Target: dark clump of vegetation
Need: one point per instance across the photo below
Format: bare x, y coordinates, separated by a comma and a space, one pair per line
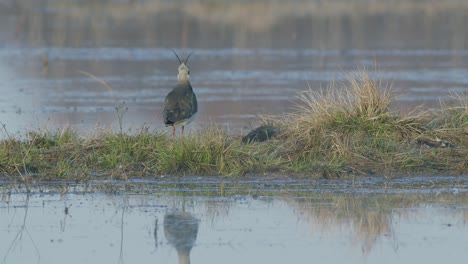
260, 134
334, 132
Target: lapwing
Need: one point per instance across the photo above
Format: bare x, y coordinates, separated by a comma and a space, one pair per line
180, 105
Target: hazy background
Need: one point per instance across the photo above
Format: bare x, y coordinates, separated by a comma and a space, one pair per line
250, 57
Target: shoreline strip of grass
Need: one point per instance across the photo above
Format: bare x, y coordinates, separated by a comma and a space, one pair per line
339, 131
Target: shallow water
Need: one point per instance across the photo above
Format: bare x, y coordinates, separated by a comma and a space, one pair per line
258, 220
249, 58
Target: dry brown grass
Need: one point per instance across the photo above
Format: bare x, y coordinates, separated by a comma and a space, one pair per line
352, 128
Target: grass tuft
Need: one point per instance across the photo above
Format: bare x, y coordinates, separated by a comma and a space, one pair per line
352, 129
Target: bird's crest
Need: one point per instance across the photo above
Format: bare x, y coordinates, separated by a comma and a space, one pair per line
184, 70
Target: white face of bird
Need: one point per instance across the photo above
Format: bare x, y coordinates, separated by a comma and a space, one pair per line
184, 73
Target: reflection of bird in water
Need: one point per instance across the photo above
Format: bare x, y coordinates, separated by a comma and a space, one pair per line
180, 230
155, 233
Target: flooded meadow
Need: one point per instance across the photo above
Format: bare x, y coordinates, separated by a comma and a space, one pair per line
93, 66
253, 220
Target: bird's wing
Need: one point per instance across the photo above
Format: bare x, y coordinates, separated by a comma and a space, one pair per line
171, 110
179, 105
188, 105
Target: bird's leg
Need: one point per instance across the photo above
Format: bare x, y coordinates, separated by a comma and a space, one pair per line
182, 132
173, 132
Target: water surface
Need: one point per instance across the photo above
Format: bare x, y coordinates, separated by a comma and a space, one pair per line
213, 220
250, 58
